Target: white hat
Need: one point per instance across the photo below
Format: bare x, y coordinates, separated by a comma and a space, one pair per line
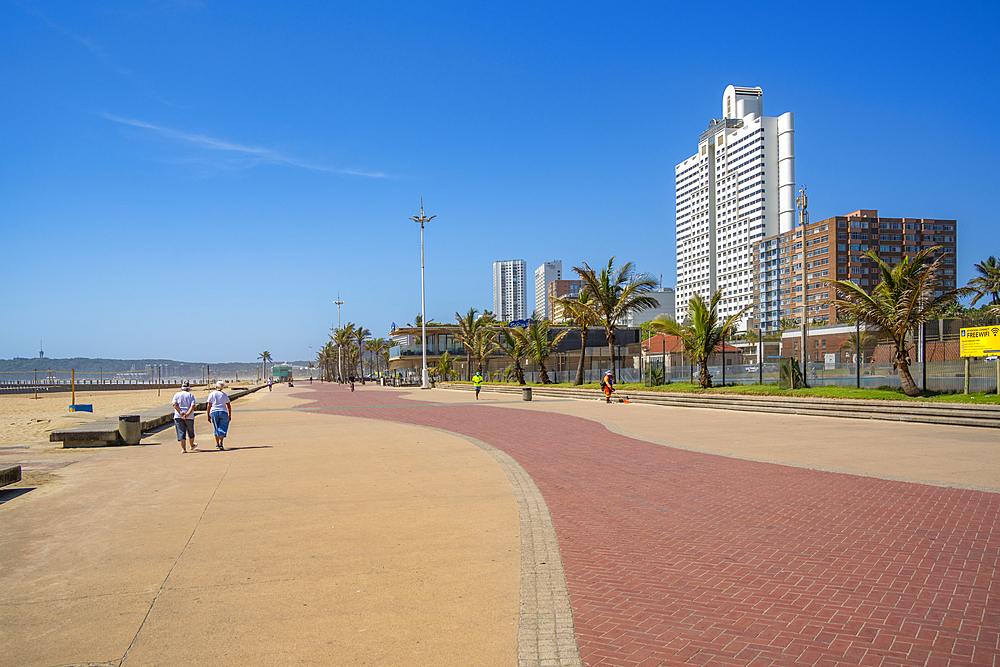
220, 384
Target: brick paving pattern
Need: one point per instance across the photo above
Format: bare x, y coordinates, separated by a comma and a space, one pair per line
677, 557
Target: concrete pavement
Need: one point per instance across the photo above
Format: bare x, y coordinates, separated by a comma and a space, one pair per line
314, 540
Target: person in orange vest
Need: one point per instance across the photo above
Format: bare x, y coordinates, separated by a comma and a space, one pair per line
608, 385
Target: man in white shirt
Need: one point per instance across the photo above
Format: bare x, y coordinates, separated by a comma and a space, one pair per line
184, 404
220, 411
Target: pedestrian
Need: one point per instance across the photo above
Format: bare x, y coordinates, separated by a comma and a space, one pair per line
608, 385
351, 378
220, 413
184, 405
270, 381
477, 381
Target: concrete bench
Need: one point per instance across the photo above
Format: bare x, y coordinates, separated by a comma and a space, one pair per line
105, 432
10, 475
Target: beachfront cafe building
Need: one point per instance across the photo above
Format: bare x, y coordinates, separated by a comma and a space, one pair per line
405, 361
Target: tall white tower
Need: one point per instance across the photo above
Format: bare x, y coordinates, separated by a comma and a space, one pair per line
510, 290
545, 274
738, 187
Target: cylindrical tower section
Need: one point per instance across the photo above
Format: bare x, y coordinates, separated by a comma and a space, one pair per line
786, 172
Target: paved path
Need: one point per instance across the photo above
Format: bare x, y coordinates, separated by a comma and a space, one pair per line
314, 540
682, 557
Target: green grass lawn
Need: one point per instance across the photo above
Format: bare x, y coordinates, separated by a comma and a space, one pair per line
773, 390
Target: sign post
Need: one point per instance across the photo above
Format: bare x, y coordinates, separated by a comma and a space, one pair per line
979, 342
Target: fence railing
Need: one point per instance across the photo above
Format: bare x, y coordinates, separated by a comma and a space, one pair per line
940, 376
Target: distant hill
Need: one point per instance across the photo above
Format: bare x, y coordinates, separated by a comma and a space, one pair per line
107, 367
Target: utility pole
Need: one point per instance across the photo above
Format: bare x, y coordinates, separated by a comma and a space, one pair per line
802, 203
422, 220
340, 366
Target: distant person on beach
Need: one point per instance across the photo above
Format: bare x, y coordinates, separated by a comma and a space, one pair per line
477, 381
220, 412
270, 381
184, 403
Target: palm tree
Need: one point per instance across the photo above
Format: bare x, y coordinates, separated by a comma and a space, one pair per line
987, 282
583, 317
265, 357
538, 345
616, 293
857, 342
378, 347
342, 337
360, 336
465, 333
512, 343
704, 334
327, 358
483, 345
898, 304
444, 366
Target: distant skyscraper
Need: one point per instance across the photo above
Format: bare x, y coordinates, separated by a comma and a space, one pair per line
510, 290
737, 189
544, 275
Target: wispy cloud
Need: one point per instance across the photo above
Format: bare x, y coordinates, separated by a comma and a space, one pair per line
265, 155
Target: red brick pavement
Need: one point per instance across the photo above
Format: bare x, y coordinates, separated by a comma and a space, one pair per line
675, 557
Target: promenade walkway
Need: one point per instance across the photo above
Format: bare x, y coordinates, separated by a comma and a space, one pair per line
407, 527
673, 556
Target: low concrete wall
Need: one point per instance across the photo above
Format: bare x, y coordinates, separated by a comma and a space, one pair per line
104, 433
10, 475
956, 414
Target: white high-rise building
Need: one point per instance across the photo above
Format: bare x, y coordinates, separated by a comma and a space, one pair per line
738, 187
510, 290
545, 274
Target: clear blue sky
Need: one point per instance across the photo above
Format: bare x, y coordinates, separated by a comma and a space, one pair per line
198, 180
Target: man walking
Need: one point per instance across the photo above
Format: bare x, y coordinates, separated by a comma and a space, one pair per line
477, 381
184, 403
270, 381
220, 412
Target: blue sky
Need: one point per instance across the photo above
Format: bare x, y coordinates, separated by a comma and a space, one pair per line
198, 180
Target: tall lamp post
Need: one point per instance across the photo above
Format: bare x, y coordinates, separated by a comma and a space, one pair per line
422, 220
802, 202
340, 366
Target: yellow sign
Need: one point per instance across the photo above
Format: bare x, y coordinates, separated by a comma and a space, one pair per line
980, 341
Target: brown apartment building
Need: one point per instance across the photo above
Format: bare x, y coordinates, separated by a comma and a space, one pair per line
789, 268
562, 289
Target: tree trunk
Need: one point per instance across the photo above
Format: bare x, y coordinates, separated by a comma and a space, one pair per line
611, 350
583, 355
519, 374
542, 375
910, 387
704, 377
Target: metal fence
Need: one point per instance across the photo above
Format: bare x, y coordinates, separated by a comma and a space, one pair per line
940, 376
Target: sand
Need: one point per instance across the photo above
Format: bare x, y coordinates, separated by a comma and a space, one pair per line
24, 419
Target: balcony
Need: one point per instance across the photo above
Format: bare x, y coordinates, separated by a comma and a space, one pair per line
433, 350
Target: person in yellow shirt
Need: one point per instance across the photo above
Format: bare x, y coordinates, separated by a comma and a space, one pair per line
477, 382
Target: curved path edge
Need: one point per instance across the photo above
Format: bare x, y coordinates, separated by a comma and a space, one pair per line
546, 634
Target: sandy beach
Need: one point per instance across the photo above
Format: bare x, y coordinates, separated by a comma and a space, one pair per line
25, 419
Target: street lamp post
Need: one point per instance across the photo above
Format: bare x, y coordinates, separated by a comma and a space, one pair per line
803, 202
340, 366
422, 220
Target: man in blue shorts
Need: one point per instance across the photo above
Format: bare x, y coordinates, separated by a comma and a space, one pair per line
220, 412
